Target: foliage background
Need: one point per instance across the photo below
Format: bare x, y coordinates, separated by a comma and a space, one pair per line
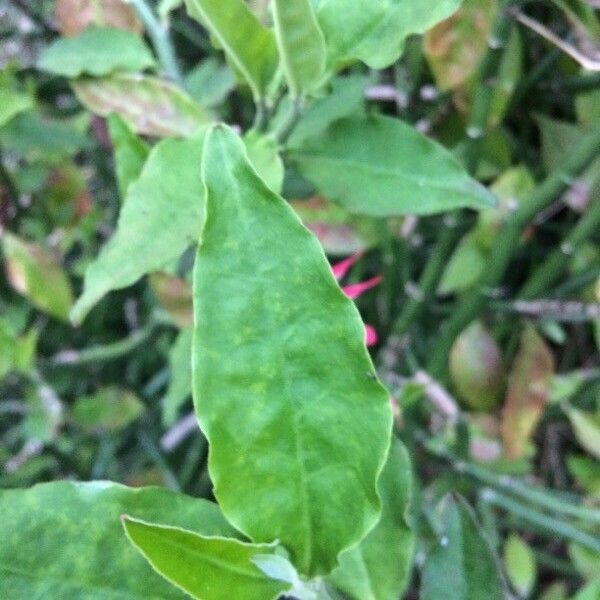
109, 399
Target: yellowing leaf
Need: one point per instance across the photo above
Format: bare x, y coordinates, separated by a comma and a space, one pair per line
35, 272
476, 368
73, 16
149, 105
175, 296
528, 393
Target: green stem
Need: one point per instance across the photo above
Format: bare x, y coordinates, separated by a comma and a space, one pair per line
153, 452
551, 270
106, 352
579, 83
429, 278
486, 85
291, 121
538, 496
476, 133
524, 491
161, 40
7, 182
473, 303
552, 525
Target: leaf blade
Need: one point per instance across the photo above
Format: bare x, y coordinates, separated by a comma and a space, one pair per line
194, 562
161, 217
249, 45
301, 44
284, 454
378, 567
97, 51
79, 518
380, 166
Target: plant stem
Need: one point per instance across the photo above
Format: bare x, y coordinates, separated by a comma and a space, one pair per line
476, 130
429, 278
551, 270
107, 351
161, 40
153, 452
291, 121
529, 493
486, 85
579, 83
550, 524
474, 302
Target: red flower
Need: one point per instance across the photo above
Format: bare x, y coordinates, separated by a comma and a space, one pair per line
355, 290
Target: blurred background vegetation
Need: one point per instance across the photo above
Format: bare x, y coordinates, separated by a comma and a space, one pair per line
508, 415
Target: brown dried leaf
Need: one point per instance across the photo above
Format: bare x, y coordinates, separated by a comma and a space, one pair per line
151, 106
528, 392
73, 16
454, 47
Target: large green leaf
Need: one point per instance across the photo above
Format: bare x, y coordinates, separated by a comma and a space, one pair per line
462, 566
206, 568
161, 217
378, 568
149, 105
248, 44
375, 31
381, 166
301, 44
64, 540
98, 51
283, 385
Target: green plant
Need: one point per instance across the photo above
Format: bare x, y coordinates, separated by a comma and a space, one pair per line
314, 494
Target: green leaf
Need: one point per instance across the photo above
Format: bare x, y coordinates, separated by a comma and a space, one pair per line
462, 566
520, 565
301, 44
378, 568
345, 99
590, 592
248, 44
263, 152
375, 31
586, 427
150, 106
161, 217
35, 272
12, 103
210, 82
381, 167
109, 409
476, 368
283, 385
97, 51
29, 134
180, 384
130, 151
206, 568
464, 267
64, 540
